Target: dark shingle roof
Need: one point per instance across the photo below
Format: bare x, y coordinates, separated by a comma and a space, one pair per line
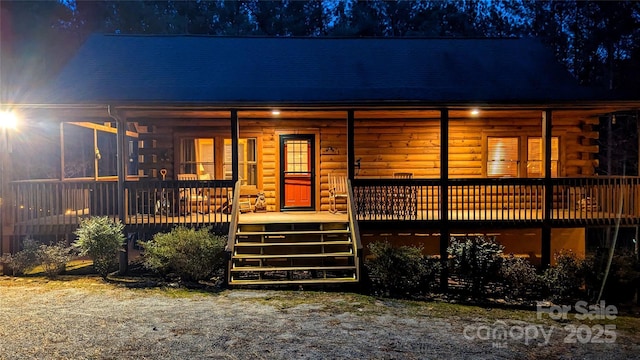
192, 69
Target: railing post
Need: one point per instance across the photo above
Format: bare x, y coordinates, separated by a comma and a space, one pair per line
444, 197
121, 156
351, 157
548, 190
235, 133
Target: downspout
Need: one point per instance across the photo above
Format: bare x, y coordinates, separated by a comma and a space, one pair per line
122, 172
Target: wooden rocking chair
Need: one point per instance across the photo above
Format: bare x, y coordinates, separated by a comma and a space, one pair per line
337, 190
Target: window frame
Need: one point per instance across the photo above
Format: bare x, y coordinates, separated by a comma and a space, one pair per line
218, 138
523, 151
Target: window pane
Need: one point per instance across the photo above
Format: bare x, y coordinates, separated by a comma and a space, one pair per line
535, 160
197, 156
297, 155
503, 156
247, 165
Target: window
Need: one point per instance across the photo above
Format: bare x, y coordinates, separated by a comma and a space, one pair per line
247, 161
503, 158
197, 156
297, 156
535, 159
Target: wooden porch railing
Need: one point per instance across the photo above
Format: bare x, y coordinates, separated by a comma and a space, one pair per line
153, 204
598, 200
56, 207
580, 201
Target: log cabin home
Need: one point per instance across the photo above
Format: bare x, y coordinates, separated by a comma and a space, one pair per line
304, 150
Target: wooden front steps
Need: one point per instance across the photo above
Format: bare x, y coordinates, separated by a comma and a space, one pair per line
293, 254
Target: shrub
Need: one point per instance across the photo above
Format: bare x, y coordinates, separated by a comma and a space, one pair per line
398, 272
520, 278
101, 239
191, 254
476, 260
564, 279
54, 258
24, 260
622, 282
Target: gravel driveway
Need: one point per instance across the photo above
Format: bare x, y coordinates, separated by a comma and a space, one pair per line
93, 320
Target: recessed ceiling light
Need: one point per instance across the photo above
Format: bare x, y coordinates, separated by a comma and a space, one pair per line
275, 112
475, 112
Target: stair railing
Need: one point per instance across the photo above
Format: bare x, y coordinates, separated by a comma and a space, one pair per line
235, 213
353, 226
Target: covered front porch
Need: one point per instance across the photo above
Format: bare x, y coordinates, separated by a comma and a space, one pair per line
454, 180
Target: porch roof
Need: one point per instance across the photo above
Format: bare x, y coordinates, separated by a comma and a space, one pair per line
258, 70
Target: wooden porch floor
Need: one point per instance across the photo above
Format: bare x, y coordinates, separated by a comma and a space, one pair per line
291, 217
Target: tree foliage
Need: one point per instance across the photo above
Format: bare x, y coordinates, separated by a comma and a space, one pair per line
596, 40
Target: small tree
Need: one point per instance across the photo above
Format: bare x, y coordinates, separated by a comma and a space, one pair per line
101, 239
191, 254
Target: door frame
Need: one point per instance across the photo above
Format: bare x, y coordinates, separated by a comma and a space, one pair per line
315, 181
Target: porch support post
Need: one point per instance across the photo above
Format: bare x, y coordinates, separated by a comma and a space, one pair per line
351, 156
548, 189
6, 223
444, 199
121, 156
235, 133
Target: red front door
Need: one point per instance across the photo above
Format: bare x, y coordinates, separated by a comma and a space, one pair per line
297, 172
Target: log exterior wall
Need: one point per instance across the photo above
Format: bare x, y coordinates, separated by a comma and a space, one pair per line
383, 146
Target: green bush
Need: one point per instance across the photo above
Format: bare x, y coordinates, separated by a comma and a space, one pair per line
520, 278
622, 282
101, 239
564, 280
54, 258
189, 253
475, 260
24, 260
399, 271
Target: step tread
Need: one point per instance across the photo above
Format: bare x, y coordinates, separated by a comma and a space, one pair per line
299, 243
295, 232
262, 256
292, 268
293, 282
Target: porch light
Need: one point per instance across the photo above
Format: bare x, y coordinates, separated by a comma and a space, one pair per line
275, 112
8, 120
475, 112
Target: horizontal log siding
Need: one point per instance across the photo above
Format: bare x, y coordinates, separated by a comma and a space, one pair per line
384, 147
332, 154
396, 145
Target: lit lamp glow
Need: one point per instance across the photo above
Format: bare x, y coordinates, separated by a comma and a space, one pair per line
8, 120
275, 112
475, 112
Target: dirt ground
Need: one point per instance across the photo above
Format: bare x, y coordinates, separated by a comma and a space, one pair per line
89, 319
